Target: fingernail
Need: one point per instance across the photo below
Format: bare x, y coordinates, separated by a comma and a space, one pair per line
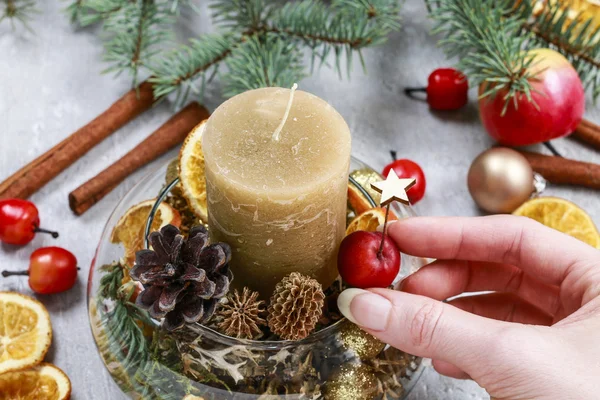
380, 227
364, 308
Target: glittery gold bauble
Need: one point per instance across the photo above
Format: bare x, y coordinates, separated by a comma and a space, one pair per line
365, 177
500, 180
352, 382
576, 10
365, 345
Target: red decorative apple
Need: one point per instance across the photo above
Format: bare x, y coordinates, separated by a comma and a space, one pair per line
368, 259
447, 89
556, 110
405, 168
51, 270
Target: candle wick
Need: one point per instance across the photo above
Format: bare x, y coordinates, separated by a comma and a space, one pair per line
286, 114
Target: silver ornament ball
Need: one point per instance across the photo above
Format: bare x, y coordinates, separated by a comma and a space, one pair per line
500, 180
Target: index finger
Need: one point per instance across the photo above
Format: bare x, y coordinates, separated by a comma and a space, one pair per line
540, 251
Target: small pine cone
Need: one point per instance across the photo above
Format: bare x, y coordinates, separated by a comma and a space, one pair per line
242, 315
296, 306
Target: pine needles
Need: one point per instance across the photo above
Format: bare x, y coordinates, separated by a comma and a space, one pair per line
490, 41
148, 367
259, 43
484, 40
17, 10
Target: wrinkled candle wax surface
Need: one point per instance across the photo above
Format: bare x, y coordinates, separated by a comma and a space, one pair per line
280, 205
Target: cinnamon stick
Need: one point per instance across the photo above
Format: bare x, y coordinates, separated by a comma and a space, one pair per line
170, 134
564, 171
40, 171
588, 132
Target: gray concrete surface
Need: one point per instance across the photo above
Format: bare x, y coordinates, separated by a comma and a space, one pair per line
50, 85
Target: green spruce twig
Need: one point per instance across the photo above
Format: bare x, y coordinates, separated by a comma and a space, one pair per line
263, 61
490, 41
18, 10
484, 39
262, 42
148, 367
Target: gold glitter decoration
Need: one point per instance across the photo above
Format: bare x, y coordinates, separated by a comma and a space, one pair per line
572, 10
365, 177
393, 368
365, 345
352, 382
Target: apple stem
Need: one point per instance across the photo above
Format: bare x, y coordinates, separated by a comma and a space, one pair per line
387, 214
552, 149
394, 155
41, 230
410, 92
14, 273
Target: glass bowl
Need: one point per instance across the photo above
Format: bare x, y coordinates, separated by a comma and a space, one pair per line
338, 361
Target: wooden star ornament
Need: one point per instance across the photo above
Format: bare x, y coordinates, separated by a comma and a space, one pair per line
393, 189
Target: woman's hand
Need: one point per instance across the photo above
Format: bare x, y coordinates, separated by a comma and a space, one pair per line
536, 337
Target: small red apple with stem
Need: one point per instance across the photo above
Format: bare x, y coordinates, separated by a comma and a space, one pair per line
368, 259
51, 270
20, 221
557, 106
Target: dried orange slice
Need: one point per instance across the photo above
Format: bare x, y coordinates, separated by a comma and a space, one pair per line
357, 201
563, 216
44, 382
191, 171
369, 220
132, 225
25, 332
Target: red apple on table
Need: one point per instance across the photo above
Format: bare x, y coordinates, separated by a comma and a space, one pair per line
557, 107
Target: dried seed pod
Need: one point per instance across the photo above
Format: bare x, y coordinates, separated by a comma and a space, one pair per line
242, 315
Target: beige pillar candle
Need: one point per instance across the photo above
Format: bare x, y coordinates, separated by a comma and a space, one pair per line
277, 196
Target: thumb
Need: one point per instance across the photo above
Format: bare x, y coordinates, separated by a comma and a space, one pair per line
422, 326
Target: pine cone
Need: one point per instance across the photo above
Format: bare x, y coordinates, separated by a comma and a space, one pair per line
242, 315
183, 279
296, 306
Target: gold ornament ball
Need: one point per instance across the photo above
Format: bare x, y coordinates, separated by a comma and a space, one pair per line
352, 382
364, 345
500, 180
364, 177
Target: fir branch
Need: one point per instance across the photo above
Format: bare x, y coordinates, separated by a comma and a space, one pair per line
18, 10
262, 61
74, 11
89, 12
152, 370
343, 27
178, 71
263, 40
136, 29
485, 40
577, 38
242, 15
